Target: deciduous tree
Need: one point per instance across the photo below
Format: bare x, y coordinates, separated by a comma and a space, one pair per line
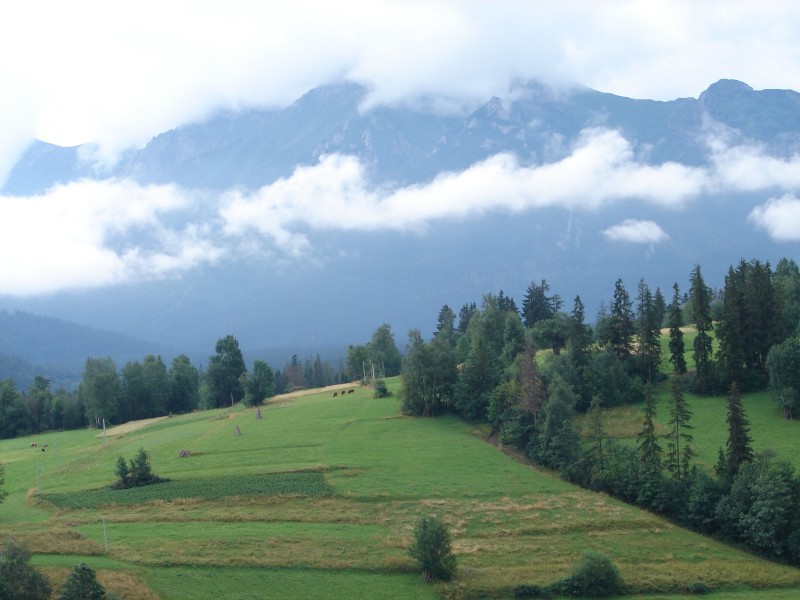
225, 370
432, 549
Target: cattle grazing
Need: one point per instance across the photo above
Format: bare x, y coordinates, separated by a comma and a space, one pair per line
350, 391
335, 394
33, 444
42, 449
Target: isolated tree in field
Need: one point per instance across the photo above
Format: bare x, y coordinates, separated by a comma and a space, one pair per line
739, 446
225, 369
676, 346
432, 549
18, 579
700, 299
82, 584
679, 415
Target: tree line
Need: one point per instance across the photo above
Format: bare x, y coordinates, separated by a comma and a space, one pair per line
486, 364
149, 388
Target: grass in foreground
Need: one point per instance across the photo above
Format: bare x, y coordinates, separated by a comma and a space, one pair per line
511, 523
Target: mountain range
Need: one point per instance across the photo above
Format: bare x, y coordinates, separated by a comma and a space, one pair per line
611, 187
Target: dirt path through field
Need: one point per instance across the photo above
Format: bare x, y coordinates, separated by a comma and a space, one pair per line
131, 426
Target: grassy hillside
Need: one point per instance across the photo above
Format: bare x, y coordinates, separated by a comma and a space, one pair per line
360, 474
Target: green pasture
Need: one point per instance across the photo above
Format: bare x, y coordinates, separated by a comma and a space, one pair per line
359, 475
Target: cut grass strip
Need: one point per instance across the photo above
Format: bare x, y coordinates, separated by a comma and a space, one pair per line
307, 483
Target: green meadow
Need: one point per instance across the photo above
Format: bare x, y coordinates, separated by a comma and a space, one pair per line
318, 499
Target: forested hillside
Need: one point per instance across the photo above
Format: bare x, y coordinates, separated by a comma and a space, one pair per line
528, 371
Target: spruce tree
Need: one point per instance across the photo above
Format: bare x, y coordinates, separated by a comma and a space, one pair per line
647, 440
648, 327
676, 345
679, 415
621, 322
649, 455
739, 448
700, 298
82, 584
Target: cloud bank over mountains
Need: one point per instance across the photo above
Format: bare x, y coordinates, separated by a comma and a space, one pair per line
97, 233
83, 72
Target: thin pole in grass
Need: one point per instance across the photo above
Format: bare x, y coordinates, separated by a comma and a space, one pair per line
105, 537
37, 478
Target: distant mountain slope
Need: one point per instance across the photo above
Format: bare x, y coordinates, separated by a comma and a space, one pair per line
34, 345
402, 145
357, 278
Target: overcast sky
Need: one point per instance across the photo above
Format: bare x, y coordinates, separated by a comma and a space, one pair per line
94, 72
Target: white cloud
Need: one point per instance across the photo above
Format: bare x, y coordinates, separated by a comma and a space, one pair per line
97, 233
779, 217
89, 234
94, 71
747, 168
635, 231
335, 193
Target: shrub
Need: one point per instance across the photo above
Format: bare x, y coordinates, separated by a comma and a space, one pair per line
594, 576
432, 549
697, 588
135, 473
379, 389
82, 585
527, 590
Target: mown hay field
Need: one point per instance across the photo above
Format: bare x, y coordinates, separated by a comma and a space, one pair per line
354, 476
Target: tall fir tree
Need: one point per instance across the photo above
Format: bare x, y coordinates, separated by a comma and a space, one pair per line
648, 331
700, 299
621, 322
579, 335
739, 446
649, 454
678, 458
647, 440
676, 345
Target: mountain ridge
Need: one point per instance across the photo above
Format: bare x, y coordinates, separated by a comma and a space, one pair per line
360, 279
